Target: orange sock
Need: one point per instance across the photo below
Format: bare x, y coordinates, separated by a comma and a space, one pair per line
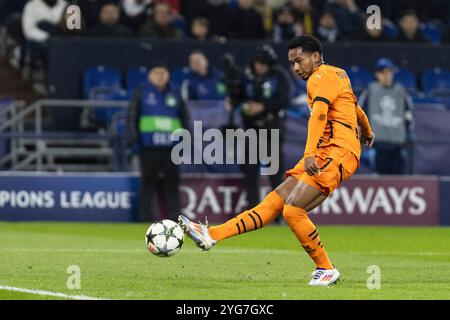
251, 219
306, 232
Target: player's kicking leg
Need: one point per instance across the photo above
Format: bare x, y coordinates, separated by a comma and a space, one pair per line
249, 220
295, 198
303, 199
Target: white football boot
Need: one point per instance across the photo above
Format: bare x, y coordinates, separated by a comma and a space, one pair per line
197, 232
324, 277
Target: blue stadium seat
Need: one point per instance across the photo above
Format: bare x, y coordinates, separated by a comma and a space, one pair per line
360, 77
436, 82
104, 116
135, 77
178, 75
100, 77
432, 33
407, 79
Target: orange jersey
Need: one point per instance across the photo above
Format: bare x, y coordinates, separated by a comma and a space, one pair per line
329, 90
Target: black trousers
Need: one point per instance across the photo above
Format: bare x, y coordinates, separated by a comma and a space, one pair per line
252, 171
158, 172
389, 159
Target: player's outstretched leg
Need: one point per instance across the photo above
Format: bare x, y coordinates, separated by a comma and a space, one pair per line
249, 220
305, 198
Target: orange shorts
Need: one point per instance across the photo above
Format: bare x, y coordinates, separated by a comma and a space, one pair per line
337, 164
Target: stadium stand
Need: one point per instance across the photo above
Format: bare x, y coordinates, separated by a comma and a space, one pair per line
436, 82
100, 77
360, 77
135, 77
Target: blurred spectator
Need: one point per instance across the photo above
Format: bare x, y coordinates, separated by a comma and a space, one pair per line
90, 10
267, 95
328, 30
305, 13
40, 20
349, 18
246, 22
266, 9
389, 110
203, 82
173, 4
285, 27
157, 111
374, 34
135, 12
160, 25
217, 12
409, 28
11, 19
109, 25
200, 28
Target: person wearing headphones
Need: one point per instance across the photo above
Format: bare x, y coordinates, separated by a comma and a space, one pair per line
268, 93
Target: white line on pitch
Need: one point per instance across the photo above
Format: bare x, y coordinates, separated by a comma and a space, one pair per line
48, 293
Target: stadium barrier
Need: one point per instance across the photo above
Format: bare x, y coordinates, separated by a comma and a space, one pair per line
112, 197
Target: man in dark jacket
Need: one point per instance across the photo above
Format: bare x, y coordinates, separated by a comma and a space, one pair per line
158, 111
246, 22
268, 93
109, 25
409, 28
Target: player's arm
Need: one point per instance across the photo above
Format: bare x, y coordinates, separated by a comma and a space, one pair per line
316, 126
323, 91
363, 122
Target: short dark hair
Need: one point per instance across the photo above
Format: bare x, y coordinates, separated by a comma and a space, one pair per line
159, 64
409, 12
307, 43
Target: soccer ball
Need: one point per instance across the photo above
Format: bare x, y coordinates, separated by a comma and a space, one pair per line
164, 238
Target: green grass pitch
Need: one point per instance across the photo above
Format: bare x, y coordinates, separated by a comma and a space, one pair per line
266, 264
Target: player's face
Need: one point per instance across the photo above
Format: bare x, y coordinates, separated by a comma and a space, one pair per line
261, 69
385, 77
159, 77
302, 62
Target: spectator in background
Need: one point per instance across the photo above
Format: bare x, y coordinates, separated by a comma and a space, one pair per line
202, 82
409, 28
157, 99
246, 22
388, 107
109, 25
305, 14
327, 30
173, 4
40, 20
200, 29
349, 18
267, 95
90, 10
374, 34
160, 25
217, 12
135, 13
285, 27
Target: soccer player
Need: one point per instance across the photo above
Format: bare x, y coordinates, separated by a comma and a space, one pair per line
331, 156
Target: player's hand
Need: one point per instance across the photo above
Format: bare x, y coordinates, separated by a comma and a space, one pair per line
369, 140
311, 166
255, 108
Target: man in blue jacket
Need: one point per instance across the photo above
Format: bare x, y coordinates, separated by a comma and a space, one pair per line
158, 111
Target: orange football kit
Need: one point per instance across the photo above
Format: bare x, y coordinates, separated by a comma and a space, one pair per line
333, 139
